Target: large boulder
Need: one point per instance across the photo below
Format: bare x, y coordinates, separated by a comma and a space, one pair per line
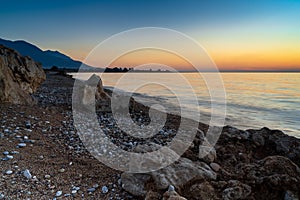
19, 77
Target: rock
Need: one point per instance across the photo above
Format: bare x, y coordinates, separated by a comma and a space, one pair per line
20, 145
93, 86
236, 190
104, 189
5, 153
19, 77
181, 172
153, 196
173, 195
8, 172
258, 139
94, 189
2, 196
47, 176
273, 175
58, 193
135, 183
9, 157
216, 167
202, 191
290, 196
27, 124
62, 170
171, 188
27, 174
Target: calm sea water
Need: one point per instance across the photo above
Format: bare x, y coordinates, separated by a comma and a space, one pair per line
253, 100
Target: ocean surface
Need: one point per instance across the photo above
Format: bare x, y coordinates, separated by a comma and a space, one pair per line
253, 100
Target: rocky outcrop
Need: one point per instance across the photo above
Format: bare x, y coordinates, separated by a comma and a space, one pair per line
251, 164
19, 77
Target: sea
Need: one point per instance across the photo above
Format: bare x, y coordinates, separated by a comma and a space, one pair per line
247, 100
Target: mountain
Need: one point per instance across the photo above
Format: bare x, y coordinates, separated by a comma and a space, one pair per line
47, 58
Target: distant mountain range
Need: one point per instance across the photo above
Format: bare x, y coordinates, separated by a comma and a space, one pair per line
48, 58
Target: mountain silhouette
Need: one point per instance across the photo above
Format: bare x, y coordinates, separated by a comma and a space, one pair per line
48, 58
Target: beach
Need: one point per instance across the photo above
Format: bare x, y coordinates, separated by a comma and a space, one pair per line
42, 139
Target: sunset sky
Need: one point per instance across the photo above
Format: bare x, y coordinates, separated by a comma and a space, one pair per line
238, 35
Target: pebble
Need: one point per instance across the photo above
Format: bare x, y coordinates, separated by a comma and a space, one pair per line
216, 167
9, 157
171, 188
91, 189
5, 153
58, 193
27, 125
47, 176
74, 191
2, 196
27, 174
104, 190
62, 170
20, 145
8, 172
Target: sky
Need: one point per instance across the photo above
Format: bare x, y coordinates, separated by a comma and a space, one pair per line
237, 35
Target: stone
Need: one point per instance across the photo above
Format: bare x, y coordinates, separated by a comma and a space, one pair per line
8, 172
19, 77
135, 183
93, 190
181, 172
27, 174
202, 190
258, 139
20, 145
153, 196
62, 170
47, 176
104, 189
58, 193
5, 153
236, 190
173, 195
216, 167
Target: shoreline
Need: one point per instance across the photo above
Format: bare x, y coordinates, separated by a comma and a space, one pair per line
53, 148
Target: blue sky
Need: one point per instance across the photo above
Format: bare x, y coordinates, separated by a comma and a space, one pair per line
75, 27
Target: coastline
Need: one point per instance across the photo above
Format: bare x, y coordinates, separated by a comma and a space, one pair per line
53, 148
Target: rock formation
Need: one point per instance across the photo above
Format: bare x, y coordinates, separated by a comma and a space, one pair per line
252, 164
19, 77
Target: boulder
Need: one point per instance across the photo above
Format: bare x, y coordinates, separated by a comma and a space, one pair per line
19, 77
181, 172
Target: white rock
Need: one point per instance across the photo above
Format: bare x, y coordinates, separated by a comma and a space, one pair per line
8, 172
27, 174
21, 145
104, 190
58, 193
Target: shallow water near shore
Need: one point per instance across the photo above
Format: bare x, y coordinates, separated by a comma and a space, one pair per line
253, 100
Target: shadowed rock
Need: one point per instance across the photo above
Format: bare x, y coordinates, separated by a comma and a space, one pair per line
19, 77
